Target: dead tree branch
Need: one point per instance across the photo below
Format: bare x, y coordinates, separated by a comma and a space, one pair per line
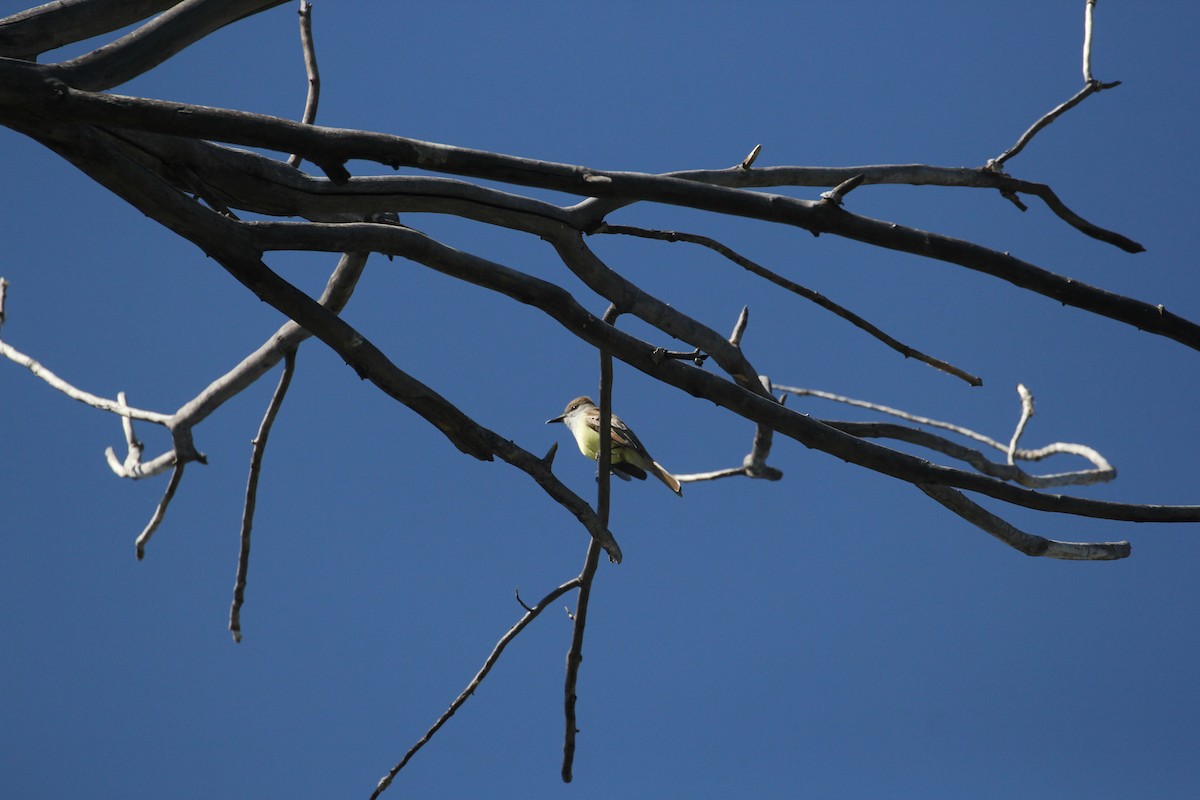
1101, 470
808, 294
180, 165
531, 613
1027, 543
1090, 86
310, 68
257, 448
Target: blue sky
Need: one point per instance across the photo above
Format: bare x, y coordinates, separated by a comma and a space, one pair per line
835, 634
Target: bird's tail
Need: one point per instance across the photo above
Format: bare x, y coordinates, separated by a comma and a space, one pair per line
670, 480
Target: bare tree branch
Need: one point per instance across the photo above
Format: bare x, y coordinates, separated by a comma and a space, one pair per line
310, 68
171, 161
531, 613
592, 559
161, 510
1027, 543
95, 401
257, 448
559, 305
808, 294
1101, 471
153, 43
1089, 9
1026, 414
133, 467
331, 147
754, 464
1090, 87
594, 210
28, 34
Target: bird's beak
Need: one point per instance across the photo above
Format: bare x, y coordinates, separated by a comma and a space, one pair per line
559, 418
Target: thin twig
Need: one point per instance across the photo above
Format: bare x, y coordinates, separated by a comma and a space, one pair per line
575, 655
131, 441
1090, 87
161, 510
1102, 470
754, 464
894, 412
132, 466
493, 657
3, 292
310, 67
997, 163
521, 602
257, 448
808, 294
1028, 543
102, 403
1087, 41
696, 356
593, 210
1026, 414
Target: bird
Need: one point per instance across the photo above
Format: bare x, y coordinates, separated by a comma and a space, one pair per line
628, 456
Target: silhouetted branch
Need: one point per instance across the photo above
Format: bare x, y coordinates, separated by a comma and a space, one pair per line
530, 615
592, 559
792, 286
170, 160
560, 306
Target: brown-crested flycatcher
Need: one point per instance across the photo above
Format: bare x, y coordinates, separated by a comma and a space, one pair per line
629, 457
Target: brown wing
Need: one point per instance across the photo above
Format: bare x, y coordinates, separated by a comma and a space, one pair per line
623, 436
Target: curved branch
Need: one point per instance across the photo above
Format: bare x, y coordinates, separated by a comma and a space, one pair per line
1090, 88
310, 68
1027, 543
160, 510
153, 43
1101, 471
95, 401
1004, 472
28, 34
